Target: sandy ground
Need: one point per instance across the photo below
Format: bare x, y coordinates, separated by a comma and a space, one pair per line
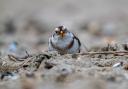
24, 31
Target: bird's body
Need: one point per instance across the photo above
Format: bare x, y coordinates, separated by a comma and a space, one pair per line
64, 41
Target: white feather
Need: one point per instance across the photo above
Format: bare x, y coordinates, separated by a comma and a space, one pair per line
63, 42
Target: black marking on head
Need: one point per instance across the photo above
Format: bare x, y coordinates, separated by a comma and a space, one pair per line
62, 28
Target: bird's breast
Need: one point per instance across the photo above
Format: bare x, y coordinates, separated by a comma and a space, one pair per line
63, 42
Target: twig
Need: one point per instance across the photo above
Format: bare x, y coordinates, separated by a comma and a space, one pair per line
105, 52
9, 67
16, 58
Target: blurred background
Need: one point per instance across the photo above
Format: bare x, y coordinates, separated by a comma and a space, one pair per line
27, 24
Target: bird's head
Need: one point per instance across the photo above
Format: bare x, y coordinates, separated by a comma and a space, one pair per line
61, 31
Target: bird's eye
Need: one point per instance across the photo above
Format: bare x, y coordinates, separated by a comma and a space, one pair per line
57, 32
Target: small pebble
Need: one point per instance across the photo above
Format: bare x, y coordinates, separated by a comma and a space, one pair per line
119, 64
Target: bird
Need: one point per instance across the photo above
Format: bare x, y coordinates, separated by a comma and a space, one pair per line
63, 41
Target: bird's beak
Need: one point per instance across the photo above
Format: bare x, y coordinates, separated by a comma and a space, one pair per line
62, 34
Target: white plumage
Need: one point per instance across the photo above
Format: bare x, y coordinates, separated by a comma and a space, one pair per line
64, 41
